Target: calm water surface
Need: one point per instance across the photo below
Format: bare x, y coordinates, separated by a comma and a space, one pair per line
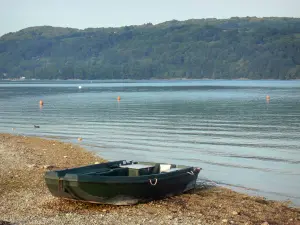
226, 127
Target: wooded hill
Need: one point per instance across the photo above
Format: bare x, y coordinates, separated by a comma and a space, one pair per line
253, 48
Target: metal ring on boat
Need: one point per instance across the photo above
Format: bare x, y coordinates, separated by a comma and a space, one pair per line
191, 173
155, 182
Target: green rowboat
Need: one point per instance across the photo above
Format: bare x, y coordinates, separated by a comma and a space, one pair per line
121, 182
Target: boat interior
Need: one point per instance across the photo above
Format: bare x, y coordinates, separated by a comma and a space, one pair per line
133, 169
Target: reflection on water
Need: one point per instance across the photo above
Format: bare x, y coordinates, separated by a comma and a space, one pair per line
228, 128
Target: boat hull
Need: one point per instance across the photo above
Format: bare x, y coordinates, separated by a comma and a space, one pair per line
120, 190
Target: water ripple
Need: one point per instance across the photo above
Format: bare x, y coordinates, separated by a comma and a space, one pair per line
227, 128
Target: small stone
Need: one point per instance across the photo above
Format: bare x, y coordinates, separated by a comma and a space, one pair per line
65, 156
231, 222
48, 167
53, 144
97, 162
104, 210
31, 166
265, 223
235, 213
170, 217
224, 221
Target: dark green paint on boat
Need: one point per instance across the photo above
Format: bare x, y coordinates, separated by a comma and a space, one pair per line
121, 182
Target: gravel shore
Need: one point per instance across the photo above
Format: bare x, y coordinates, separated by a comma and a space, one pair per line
24, 198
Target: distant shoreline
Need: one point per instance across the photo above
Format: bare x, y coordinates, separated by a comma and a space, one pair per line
152, 79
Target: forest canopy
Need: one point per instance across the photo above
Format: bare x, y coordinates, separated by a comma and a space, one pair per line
252, 48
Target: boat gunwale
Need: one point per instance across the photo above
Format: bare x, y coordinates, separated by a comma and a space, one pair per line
86, 178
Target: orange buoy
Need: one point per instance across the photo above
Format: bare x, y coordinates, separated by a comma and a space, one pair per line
268, 99
119, 98
41, 102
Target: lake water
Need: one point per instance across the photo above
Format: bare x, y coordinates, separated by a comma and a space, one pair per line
226, 127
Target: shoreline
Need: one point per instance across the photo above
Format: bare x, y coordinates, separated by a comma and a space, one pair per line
24, 198
156, 79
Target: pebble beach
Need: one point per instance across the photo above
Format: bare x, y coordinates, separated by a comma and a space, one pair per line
24, 198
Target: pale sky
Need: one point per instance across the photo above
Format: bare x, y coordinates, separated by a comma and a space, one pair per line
19, 14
